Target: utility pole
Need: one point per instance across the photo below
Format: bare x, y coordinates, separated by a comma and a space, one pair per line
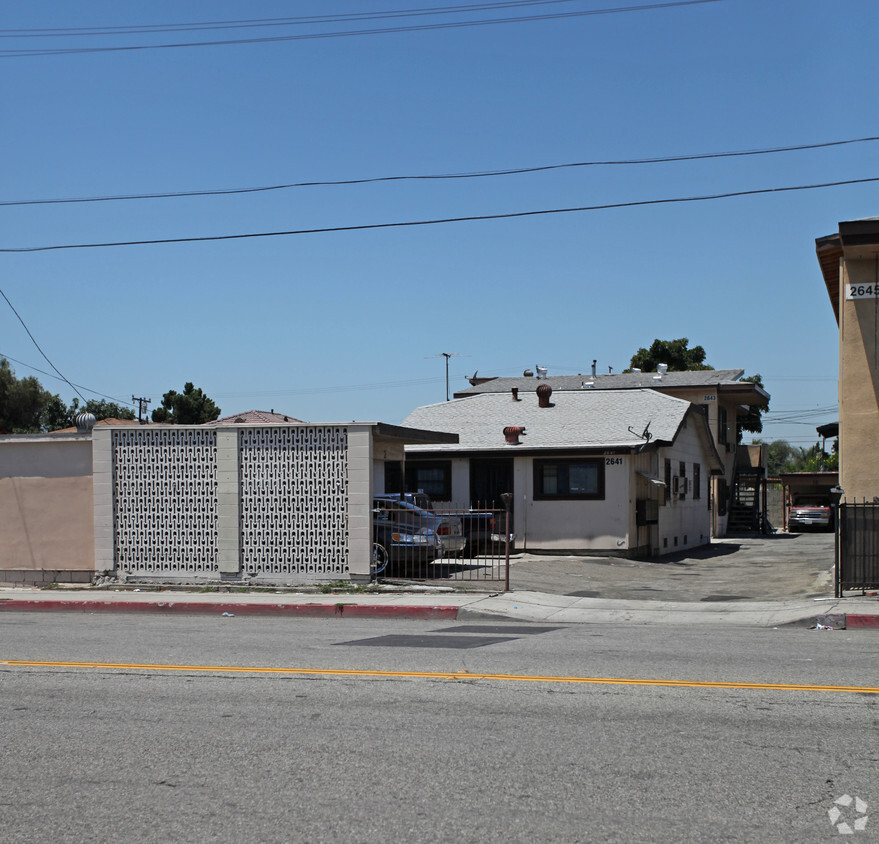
141, 407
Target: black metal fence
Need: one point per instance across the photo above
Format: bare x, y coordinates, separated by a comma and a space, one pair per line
443, 544
857, 546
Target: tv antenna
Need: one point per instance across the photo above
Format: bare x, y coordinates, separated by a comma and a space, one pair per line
448, 355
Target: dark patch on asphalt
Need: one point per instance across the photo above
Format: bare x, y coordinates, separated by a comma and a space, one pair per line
496, 628
439, 641
727, 598
586, 594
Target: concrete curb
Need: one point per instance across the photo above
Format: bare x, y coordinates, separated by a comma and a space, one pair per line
338, 610
536, 607
861, 621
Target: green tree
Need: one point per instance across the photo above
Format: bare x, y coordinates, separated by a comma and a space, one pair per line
22, 402
27, 408
191, 407
55, 415
782, 457
679, 357
752, 421
101, 409
675, 353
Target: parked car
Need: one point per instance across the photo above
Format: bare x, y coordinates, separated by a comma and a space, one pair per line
412, 536
478, 527
810, 513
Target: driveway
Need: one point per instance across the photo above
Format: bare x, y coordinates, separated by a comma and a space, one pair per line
749, 568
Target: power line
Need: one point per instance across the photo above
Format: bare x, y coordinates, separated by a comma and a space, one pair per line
434, 222
331, 389
50, 375
33, 339
355, 32
479, 174
247, 23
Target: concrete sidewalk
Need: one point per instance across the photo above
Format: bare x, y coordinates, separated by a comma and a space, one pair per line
755, 581
436, 604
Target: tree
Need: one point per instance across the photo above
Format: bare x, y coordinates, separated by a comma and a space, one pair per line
27, 408
191, 407
680, 358
22, 402
782, 457
674, 353
752, 421
101, 409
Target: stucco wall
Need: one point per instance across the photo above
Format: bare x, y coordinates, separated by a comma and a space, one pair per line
574, 525
685, 522
46, 509
858, 384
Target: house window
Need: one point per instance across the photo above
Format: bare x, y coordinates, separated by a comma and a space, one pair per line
697, 481
432, 477
683, 482
572, 479
667, 482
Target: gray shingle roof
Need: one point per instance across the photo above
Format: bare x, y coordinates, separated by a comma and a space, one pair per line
616, 381
582, 419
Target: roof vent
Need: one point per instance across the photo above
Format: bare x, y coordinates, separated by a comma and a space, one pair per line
512, 434
541, 371
515, 392
84, 422
662, 368
544, 391
527, 374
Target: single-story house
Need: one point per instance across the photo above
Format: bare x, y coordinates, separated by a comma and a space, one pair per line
619, 471
722, 394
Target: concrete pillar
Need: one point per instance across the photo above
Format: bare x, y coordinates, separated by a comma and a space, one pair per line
228, 504
102, 482
360, 449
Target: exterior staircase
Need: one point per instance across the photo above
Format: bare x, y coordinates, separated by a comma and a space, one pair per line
744, 505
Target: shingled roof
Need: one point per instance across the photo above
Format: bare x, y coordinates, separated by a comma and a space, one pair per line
582, 420
256, 417
616, 381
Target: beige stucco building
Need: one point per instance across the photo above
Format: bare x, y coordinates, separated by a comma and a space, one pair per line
849, 263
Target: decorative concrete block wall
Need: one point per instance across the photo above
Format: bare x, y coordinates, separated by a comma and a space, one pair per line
278, 503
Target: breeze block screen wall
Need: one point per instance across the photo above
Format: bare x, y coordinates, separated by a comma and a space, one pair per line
277, 503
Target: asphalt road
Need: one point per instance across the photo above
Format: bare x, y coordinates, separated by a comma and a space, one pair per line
154, 754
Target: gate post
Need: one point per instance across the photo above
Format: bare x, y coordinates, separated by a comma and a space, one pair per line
507, 498
836, 494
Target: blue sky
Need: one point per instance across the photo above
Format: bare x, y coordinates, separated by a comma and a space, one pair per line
347, 325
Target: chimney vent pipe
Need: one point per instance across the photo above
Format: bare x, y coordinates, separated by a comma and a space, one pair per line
544, 391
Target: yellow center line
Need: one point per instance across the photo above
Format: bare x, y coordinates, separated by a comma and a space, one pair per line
442, 675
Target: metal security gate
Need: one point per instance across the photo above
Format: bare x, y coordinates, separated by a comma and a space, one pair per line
857, 547
441, 545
